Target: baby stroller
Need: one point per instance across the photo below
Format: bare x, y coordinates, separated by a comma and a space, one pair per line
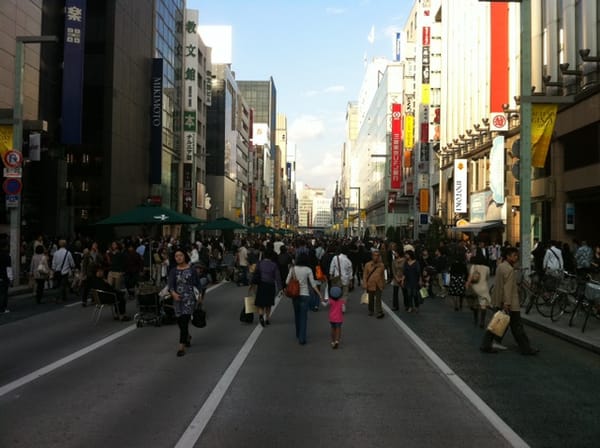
149, 306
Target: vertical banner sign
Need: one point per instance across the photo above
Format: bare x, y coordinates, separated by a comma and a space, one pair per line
156, 109
543, 117
6, 140
497, 170
72, 85
460, 185
34, 147
396, 168
398, 46
190, 86
187, 189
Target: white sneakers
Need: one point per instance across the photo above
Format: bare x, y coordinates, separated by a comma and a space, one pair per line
497, 346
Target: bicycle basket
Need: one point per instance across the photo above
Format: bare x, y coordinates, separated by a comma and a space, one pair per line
592, 291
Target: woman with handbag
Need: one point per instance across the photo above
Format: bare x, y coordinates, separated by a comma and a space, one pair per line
39, 271
304, 274
374, 282
267, 279
182, 280
412, 281
478, 281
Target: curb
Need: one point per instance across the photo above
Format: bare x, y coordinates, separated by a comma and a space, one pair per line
562, 335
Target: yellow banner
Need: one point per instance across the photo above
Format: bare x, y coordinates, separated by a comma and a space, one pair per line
543, 117
425, 93
409, 131
6, 140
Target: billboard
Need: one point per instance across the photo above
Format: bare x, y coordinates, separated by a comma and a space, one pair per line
460, 185
396, 150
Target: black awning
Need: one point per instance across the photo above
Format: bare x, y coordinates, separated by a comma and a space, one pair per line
477, 227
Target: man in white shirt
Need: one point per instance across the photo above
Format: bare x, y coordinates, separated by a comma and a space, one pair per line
553, 266
62, 265
242, 262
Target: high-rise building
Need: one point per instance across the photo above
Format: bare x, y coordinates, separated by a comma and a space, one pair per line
261, 96
228, 145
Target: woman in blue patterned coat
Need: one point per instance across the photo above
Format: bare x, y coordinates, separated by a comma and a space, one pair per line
182, 280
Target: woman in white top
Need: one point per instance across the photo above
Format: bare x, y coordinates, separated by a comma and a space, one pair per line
307, 280
480, 286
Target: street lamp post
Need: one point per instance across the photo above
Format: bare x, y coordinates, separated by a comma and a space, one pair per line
15, 212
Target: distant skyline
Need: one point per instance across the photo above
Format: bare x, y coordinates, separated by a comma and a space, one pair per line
316, 53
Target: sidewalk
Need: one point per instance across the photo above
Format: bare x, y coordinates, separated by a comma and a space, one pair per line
589, 340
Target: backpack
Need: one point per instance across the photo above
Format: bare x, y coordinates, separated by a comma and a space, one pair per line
292, 289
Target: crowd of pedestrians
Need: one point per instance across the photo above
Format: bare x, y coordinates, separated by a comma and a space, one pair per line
328, 269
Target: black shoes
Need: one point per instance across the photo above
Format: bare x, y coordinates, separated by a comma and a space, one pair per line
380, 316
488, 350
180, 353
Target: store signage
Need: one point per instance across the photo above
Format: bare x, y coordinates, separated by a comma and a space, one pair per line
460, 185
396, 151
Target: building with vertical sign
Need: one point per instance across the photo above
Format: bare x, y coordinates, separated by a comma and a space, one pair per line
228, 147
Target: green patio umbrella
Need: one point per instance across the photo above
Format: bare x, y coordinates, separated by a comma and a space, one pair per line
148, 214
261, 229
222, 224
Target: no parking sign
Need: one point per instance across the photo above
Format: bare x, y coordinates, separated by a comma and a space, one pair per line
12, 186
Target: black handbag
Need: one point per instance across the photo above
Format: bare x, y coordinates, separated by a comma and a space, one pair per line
199, 317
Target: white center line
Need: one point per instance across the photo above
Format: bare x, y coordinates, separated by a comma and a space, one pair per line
7, 388
197, 425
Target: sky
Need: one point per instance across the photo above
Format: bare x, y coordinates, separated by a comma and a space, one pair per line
315, 51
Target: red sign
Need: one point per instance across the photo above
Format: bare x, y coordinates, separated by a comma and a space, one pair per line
12, 186
396, 153
13, 159
426, 35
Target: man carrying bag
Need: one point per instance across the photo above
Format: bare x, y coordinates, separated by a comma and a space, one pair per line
505, 296
62, 266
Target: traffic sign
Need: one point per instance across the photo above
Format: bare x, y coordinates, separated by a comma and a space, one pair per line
13, 159
12, 200
13, 172
12, 186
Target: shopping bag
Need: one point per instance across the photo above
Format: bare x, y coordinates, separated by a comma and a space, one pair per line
424, 293
499, 323
446, 278
249, 305
364, 298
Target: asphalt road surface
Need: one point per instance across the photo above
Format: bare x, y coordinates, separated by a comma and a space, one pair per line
405, 380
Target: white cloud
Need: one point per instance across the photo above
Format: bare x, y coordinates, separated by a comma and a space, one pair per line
334, 89
318, 171
371, 36
335, 11
306, 127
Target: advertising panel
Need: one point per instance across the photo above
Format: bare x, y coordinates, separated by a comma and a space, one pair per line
460, 185
72, 73
156, 93
396, 151
497, 169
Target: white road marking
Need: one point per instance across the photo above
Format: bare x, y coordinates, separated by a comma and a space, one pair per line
505, 430
198, 424
61, 362
7, 388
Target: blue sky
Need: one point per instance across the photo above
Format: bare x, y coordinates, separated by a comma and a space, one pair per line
315, 51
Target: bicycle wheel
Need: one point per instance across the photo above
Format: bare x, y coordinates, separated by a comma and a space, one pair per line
543, 303
559, 306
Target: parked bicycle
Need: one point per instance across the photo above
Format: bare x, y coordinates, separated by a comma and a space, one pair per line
587, 304
567, 292
530, 287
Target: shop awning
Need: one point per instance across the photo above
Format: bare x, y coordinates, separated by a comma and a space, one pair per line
477, 227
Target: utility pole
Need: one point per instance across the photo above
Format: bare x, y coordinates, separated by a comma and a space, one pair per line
15, 212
